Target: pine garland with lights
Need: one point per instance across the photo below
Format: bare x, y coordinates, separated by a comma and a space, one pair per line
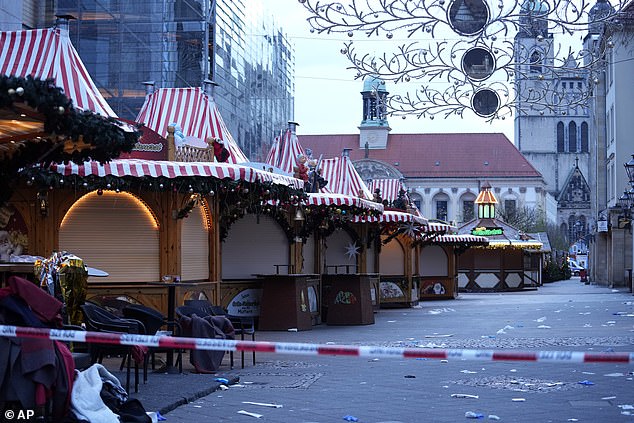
47, 103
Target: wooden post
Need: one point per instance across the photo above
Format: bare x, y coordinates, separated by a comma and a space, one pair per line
171, 145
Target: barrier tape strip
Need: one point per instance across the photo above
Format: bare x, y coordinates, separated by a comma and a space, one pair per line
315, 349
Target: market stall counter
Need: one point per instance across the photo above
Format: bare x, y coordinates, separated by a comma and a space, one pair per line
348, 298
289, 301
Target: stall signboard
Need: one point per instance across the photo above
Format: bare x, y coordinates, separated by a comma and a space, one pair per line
482, 231
246, 303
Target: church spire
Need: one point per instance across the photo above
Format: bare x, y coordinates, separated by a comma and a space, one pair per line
374, 127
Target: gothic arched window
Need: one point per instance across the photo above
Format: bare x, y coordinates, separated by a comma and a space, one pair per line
584, 137
560, 137
572, 137
571, 229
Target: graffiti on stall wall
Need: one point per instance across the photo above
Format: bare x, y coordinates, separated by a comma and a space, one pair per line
345, 297
434, 289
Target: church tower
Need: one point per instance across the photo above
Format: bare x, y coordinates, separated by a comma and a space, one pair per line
374, 128
556, 140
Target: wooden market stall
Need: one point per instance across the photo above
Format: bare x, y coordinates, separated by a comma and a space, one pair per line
511, 260
438, 259
50, 111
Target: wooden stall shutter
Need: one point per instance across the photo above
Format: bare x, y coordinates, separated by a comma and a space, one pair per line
337, 245
195, 246
308, 253
254, 248
392, 259
113, 232
433, 261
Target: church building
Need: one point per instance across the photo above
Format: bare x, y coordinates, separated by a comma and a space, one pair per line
443, 172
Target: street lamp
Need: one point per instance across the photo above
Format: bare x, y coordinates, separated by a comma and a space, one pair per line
629, 168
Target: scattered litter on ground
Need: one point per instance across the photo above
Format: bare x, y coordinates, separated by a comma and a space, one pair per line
350, 418
197, 406
518, 399
615, 374
439, 336
444, 361
611, 322
588, 373
585, 314
586, 382
391, 321
488, 336
292, 329
501, 331
469, 372
247, 413
222, 380
608, 398
494, 417
410, 377
473, 415
573, 420
373, 359
587, 325
624, 313
557, 311
223, 387
513, 370
626, 406
543, 327
615, 290
541, 319
465, 396
263, 404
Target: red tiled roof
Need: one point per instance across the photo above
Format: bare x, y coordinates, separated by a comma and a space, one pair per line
460, 155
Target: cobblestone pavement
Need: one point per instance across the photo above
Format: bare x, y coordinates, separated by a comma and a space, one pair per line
563, 316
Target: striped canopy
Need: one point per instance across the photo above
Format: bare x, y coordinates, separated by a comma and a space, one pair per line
343, 178
284, 152
140, 168
328, 199
194, 111
389, 188
49, 54
393, 216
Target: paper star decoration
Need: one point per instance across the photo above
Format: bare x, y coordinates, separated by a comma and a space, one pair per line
352, 250
410, 229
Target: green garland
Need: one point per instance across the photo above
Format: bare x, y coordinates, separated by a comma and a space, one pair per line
60, 119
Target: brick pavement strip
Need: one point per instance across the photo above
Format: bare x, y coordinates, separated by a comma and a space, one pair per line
564, 315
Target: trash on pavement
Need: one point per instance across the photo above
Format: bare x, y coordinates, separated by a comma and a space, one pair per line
469, 372
494, 417
614, 375
350, 418
410, 377
473, 415
444, 361
465, 396
439, 336
608, 398
222, 380
518, 399
586, 382
263, 404
248, 413
292, 329
543, 327
541, 319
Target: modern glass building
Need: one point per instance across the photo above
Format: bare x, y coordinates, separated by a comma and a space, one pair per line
180, 43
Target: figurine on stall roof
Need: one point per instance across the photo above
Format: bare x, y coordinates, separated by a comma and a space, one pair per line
377, 196
301, 170
220, 151
311, 162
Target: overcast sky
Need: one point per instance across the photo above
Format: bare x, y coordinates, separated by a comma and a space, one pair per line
327, 96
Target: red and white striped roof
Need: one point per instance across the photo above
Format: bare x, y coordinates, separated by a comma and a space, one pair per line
329, 199
343, 178
140, 168
461, 239
438, 227
284, 152
48, 53
389, 188
194, 111
393, 216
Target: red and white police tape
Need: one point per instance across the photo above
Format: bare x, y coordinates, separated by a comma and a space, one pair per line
315, 349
